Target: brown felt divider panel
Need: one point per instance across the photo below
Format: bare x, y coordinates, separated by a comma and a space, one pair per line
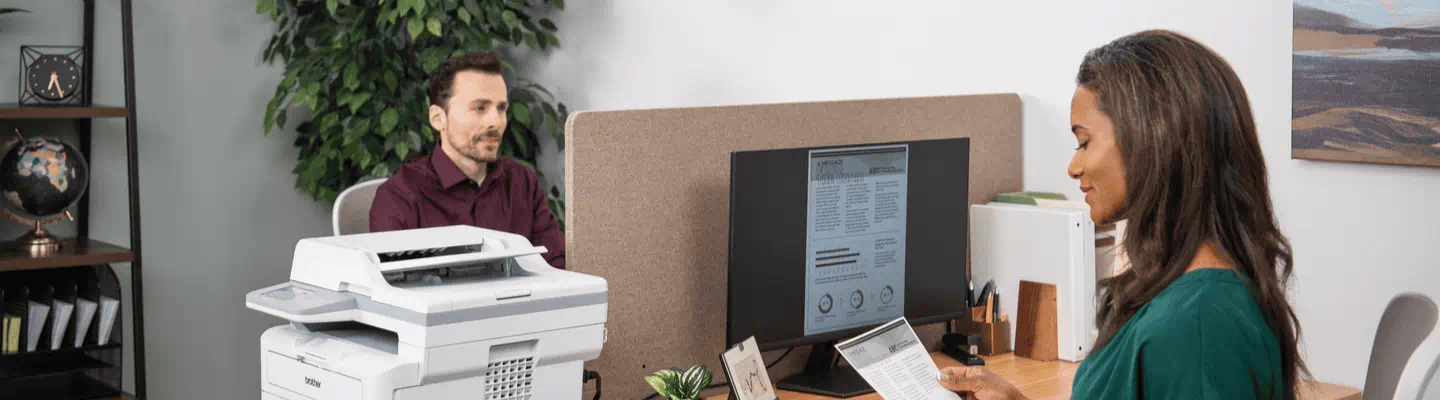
648, 197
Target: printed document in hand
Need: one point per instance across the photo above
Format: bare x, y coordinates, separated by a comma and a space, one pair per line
891, 358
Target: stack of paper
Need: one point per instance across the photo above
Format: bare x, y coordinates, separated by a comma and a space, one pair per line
84, 314
108, 308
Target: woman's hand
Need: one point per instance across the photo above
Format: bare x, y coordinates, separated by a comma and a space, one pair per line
979, 382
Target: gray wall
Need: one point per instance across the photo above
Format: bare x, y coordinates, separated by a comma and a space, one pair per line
220, 215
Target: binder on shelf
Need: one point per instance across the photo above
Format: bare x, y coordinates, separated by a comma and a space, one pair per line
10, 335
9, 327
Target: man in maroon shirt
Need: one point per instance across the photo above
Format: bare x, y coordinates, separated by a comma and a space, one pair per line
464, 180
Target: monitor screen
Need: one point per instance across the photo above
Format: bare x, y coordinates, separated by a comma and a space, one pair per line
826, 242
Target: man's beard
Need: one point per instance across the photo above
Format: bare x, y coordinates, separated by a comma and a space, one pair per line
478, 151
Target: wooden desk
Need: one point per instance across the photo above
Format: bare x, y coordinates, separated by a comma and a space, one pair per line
1051, 380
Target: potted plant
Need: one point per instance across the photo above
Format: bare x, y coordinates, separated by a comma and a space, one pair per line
356, 71
674, 384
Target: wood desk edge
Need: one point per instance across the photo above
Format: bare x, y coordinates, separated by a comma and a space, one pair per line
1036, 381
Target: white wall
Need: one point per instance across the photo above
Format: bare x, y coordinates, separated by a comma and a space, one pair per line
1361, 233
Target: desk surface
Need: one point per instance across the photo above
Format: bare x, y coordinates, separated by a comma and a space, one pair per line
1051, 380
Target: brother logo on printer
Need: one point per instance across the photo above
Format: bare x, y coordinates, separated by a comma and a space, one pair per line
312, 382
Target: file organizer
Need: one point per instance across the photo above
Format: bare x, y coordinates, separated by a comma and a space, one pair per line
56, 367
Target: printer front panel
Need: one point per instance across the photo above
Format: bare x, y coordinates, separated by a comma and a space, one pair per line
298, 365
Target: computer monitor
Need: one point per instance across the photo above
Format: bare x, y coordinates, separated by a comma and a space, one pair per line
827, 242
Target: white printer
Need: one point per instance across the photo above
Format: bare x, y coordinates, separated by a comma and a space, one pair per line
437, 313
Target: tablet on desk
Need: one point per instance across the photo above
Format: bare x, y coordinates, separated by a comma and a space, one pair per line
745, 370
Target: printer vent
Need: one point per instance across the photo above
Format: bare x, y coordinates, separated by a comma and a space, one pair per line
510, 379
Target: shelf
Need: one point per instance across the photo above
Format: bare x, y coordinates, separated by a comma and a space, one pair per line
64, 386
55, 364
71, 254
16, 111
5, 357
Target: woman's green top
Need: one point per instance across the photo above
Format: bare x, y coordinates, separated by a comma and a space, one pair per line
1203, 337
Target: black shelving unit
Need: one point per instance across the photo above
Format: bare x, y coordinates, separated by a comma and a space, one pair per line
80, 373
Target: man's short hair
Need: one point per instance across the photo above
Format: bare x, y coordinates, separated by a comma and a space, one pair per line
442, 79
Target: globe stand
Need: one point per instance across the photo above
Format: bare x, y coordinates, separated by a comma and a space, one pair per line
38, 242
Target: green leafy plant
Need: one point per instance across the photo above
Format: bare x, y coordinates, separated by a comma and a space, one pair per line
359, 68
674, 384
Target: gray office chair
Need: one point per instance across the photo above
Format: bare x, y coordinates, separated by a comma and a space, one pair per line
1406, 352
352, 207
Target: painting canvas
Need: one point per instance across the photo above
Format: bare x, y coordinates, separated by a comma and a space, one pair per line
1366, 80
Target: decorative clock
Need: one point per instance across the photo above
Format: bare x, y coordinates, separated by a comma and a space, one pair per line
52, 75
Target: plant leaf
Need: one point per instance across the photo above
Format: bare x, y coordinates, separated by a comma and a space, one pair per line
331, 5
388, 119
390, 81
560, 4
270, 113
658, 384
510, 19
415, 28
522, 114
357, 101
280, 118
475, 9
464, 15
352, 76
435, 28
264, 6
547, 24
358, 129
402, 148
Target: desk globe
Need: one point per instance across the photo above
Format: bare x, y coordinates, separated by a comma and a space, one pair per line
41, 177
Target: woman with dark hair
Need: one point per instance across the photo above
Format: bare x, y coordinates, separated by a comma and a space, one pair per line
1167, 143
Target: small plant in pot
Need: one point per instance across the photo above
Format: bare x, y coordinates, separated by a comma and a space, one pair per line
674, 384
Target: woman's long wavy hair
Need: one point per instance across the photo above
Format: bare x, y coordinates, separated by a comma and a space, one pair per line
1194, 173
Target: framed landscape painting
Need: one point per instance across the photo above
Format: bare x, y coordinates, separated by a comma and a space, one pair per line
1366, 81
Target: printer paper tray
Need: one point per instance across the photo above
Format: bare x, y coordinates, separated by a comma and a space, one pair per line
458, 259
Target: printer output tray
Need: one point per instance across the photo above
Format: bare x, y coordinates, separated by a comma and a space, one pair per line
300, 302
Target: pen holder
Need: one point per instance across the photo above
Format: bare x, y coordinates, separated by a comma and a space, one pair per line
994, 337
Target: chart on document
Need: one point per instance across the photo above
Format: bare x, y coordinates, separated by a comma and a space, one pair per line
855, 237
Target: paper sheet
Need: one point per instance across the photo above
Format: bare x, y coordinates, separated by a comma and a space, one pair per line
891, 358
38, 313
108, 308
84, 313
60, 322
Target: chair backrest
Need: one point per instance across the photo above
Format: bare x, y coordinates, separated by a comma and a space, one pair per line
1406, 350
352, 207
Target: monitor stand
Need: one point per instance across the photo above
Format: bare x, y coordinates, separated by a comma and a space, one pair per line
821, 376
